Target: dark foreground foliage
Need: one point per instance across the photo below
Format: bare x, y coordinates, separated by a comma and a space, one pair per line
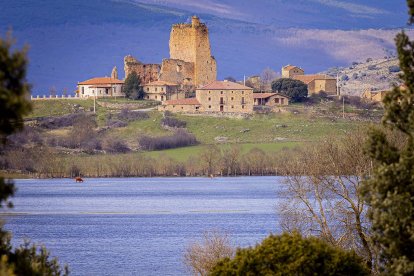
173, 122
291, 254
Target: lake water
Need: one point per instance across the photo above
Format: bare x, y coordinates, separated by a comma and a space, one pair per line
139, 226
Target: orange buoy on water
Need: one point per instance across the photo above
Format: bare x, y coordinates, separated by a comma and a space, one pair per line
78, 179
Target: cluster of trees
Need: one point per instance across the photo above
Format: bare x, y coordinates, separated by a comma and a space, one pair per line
296, 90
180, 138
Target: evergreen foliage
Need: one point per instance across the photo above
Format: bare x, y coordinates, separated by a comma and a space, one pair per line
294, 89
390, 190
291, 254
14, 90
132, 87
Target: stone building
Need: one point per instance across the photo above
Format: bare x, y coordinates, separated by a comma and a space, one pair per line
289, 71
374, 96
315, 83
215, 97
162, 91
270, 99
319, 83
190, 62
100, 87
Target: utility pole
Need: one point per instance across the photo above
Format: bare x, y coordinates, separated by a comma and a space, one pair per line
94, 102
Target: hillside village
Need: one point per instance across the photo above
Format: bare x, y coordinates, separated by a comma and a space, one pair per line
186, 82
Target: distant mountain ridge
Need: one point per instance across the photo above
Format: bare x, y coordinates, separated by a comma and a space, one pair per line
71, 41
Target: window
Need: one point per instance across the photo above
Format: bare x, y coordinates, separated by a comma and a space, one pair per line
242, 100
242, 106
155, 89
277, 100
209, 92
147, 89
242, 92
114, 89
155, 96
162, 89
232, 98
232, 106
209, 98
162, 98
83, 90
209, 106
106, 91
221, 92
182, 107
197, 107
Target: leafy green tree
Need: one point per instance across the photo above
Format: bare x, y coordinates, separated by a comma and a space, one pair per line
291, 254
294, 89
132, 86
14, 90
390, 190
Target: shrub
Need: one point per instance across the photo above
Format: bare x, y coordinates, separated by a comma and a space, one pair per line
180, 138
201, 257
60, 122
26, 136
291, 254
355, 76
112, 145
372, 67
345, 78
394, 69
111, 123
127, 115
173, 122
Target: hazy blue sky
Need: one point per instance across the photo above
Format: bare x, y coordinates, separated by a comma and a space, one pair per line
74, 40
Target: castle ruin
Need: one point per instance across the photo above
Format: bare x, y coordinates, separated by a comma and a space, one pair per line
190, 62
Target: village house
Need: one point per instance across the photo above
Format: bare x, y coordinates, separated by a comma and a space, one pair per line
218, 97
374, 96
100, 87
270, 99
289, 71
162, 91
316, 83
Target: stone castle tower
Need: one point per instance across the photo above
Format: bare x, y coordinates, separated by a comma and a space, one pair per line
190, 43
190, 62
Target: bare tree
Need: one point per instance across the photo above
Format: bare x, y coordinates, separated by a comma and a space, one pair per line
201, 257
266, 78
231, 159
52, 92
322, 194
210, 159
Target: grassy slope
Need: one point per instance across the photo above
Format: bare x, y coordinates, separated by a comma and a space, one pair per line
270, 133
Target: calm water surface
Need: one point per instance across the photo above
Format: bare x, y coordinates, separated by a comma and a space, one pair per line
139, 226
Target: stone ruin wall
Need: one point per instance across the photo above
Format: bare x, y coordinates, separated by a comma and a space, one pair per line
190, 61
177, 71
146, 72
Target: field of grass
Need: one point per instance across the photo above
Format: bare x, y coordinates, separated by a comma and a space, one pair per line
56, 107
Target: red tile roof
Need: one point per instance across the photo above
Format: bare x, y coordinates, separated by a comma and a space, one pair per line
188, 101
98, 81
224, 85
310, 78
159, 83
290, 67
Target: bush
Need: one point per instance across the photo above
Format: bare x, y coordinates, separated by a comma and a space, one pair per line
394, 69
111, 123
112, 145
372, 67
344, 78
180, 138
291, 254
127, 115
173, 122
26, 136
355, 76
60, 122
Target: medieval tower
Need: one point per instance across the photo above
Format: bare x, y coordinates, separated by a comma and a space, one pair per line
190, 62
190, 43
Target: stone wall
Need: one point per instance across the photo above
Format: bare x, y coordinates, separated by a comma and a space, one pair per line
328, 86
177, 71
146, 72
181, 108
